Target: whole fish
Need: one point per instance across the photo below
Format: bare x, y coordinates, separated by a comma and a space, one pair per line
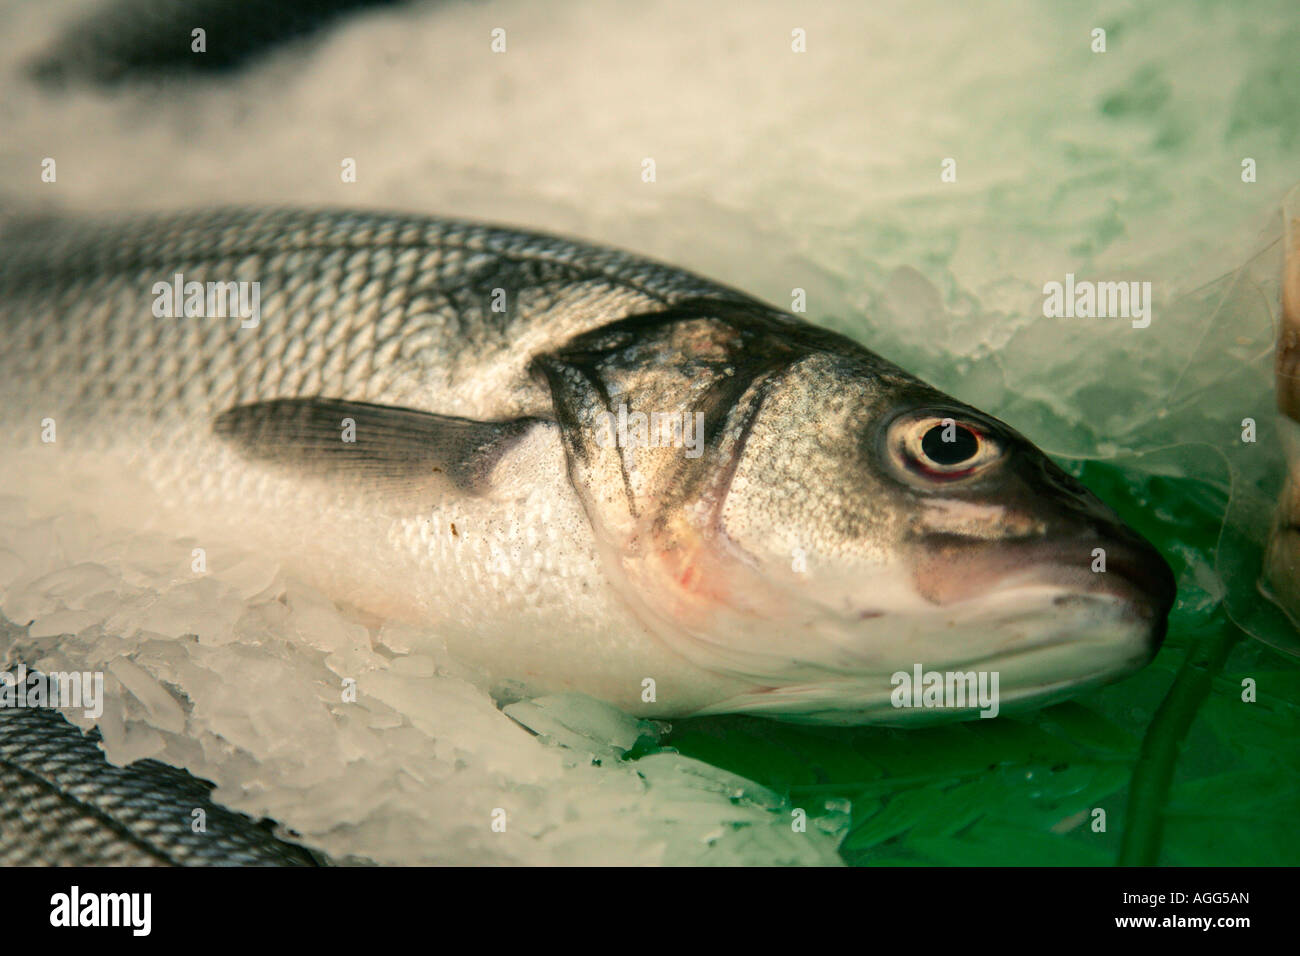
583, 470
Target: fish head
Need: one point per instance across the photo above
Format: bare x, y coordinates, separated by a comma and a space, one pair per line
846, 524
898, 528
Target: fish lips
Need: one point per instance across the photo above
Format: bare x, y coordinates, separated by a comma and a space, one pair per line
1119, 575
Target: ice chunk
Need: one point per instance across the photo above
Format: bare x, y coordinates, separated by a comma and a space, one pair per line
580, 723
163, 710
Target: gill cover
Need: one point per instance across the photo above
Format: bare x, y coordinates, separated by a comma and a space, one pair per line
659, 513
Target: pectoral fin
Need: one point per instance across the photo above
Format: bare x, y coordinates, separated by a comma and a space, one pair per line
395, 449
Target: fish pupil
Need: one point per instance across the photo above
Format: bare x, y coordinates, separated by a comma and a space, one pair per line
958, 446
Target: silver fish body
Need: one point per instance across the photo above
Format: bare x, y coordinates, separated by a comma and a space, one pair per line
440, 421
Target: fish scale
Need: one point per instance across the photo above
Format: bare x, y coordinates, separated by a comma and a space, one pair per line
409, 354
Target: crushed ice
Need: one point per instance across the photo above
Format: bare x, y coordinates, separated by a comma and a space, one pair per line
239, 674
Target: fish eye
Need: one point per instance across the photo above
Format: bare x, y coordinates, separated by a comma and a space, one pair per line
950, 444
943, 448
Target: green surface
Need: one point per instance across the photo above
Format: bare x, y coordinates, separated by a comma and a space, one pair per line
1185, 770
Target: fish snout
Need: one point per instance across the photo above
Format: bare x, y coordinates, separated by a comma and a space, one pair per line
1093, 555
1128, 569
1093, 582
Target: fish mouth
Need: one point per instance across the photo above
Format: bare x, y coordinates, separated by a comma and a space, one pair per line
1032, 619
1035, 643
1121, 578
1031, 615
